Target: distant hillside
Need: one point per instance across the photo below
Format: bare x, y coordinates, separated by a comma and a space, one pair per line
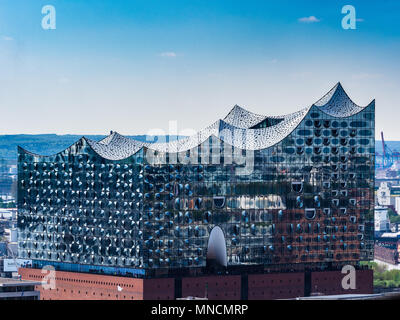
47, 144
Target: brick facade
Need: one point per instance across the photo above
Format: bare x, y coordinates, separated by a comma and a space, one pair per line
330, 282
82, 286
275, 286
387, 254
218, 287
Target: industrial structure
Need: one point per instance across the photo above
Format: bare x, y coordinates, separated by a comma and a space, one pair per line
251, 207
388, 157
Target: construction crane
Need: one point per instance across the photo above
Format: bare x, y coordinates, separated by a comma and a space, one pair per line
388, 156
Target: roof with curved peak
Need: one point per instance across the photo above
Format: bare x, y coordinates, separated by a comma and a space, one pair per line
108, 139
243, 118
188, 142
257, 139
233, 130
118, 147
337, 103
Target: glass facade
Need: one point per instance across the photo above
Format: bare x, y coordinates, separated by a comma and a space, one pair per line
307, 201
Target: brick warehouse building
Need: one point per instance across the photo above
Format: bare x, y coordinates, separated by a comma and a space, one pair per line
252, 207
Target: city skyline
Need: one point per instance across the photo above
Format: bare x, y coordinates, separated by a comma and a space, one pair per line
127, 65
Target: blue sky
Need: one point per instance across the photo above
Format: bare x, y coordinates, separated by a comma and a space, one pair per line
130, 66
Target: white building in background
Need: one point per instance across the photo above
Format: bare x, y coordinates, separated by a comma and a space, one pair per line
383, 195
13, 235
389, 195
395, 198
382, 222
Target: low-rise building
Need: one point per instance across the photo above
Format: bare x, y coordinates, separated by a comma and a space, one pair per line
387, 247
388, 254
15, 289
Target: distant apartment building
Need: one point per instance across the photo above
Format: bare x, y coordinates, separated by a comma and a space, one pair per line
388, 195
382, 222
387, 247
383, 195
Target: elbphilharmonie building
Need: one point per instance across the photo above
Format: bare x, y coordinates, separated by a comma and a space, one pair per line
269, 193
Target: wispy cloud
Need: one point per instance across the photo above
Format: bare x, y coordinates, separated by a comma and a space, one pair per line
310, 19
7, 38
169, 54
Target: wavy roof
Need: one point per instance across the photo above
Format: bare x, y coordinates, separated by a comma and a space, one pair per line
234, 129
337, 103
243, 118
118, 147
108, 139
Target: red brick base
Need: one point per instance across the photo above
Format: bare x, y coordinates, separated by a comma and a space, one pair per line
82, 286
275, 286
330, 282
216, 287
